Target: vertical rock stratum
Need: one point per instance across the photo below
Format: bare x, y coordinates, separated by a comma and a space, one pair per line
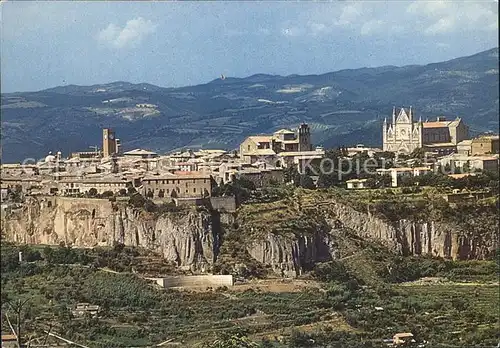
192, 238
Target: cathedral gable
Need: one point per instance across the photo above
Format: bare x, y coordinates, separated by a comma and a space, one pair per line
403, 116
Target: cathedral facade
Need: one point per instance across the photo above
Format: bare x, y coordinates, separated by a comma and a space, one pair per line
403, 134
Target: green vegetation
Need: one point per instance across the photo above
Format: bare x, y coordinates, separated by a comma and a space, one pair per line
240, 187
359, 302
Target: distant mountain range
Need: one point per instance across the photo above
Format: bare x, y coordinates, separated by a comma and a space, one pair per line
343, 108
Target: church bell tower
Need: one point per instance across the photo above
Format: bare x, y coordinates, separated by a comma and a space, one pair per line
108, 142
304, 138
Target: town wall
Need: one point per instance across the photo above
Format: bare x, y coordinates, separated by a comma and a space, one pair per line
227, 203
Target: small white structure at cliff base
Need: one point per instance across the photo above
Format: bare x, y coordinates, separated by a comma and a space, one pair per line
194, 281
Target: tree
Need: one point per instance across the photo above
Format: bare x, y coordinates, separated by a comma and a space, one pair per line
300, 339
92, 192
240, 188
418, 153
131, 190
291, 174
122, 192
334, 153
231, 340
407, 180
326, 180
305, 181
107, 194
17, 308
137, 201
382, 181
15, 195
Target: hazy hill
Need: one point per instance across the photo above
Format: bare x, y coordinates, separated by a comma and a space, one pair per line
343, 107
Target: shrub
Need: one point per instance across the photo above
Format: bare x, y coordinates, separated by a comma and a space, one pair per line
137, 200
331, 271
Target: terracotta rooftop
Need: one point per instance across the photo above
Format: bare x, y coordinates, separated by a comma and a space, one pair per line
436, 124
301, 153
409, 169
491, 137
435, 145
261, 138
139, 152
284, 131
262, 152
178, 175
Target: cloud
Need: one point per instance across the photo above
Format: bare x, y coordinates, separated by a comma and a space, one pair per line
349, 14
134, 31
443, 17
365, 18
315, 29
443, 45
443, 25
429, 8
371, 27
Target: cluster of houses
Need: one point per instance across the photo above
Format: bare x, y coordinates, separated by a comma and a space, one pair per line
183, 174
261, 158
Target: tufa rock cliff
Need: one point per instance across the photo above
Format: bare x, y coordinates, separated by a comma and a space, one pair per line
185, 238
409, 237
292, 256
289, 242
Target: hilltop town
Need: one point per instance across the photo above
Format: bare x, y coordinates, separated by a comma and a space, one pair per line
329, 231
232, 175
187, 177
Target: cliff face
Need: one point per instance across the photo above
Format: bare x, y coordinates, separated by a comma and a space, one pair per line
292, 256
415, 238
192, 239
187, 238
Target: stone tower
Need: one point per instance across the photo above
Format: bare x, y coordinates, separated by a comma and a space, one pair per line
108, 142
304, 138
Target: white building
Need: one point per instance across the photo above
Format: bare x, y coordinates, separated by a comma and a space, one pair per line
356, 184
465, 163
397, 173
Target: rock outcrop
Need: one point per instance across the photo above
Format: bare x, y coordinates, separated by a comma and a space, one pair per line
292, 256
409, 237
192, 239
186, 238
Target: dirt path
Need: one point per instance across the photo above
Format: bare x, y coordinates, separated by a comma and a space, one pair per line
443, 281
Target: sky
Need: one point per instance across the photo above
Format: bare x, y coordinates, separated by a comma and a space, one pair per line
52, 43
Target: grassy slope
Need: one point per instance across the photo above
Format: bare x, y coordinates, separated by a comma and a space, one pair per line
139, 314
